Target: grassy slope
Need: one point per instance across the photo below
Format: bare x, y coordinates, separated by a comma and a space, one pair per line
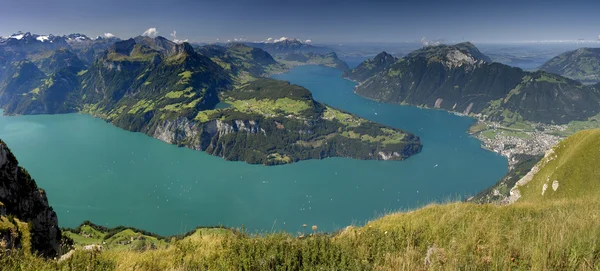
574, 168
285, 112
558, 231
582, 64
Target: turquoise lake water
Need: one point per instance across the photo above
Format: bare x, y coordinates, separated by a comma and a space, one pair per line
94, 171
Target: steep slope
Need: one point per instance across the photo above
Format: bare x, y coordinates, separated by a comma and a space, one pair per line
159, 44
137, 87
293, 52
26, 220
55, 93
546, 98
324, 59
273, 122
89, 49
57, 60
370, 67
568, 171
43, 85
241, 60
582, 64
459, 78
19, 78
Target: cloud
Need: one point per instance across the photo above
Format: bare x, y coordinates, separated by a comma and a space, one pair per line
272, 40
425, 42
174, 35
151, 32
109, 35
239, 39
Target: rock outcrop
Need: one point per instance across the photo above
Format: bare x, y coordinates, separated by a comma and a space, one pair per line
24, 201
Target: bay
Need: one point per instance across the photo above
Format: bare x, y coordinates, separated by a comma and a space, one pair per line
94, 171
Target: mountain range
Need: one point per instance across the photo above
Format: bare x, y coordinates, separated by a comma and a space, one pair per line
294, 52
211, 98
582, 65
461, 79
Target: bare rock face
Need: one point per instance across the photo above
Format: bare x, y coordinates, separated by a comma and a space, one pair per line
25, 201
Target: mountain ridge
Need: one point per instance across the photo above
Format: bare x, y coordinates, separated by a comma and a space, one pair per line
170, 92
459, 78
582, 64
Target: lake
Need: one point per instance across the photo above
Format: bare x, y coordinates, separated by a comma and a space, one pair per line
94, 171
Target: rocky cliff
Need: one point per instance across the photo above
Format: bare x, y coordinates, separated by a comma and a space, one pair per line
25, 205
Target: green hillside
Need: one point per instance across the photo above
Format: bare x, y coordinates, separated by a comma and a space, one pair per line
582, 64
370, 67
461, 79
571, 167
300, 58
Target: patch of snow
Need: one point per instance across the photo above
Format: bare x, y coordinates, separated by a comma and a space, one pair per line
272, 40
17, 37
42, 38
555, 185
515, 194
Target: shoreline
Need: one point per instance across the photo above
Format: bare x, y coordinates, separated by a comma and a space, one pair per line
501, 144
483, 144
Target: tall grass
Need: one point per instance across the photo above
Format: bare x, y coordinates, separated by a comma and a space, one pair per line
558, 235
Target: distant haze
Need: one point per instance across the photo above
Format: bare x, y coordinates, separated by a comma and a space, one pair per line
322, 21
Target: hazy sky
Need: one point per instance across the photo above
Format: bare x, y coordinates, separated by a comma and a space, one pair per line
322, 21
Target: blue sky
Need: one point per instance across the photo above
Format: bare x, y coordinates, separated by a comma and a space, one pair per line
323, 21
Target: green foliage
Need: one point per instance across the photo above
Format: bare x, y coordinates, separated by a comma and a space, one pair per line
582, 64
313, 58
370, 67
280, 123
240, 60
448, 237
575, 126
